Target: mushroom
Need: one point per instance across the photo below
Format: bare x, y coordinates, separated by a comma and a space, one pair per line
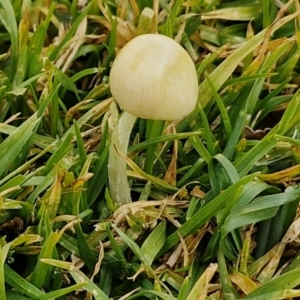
152, 77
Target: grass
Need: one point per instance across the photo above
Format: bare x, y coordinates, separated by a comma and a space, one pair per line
215, 211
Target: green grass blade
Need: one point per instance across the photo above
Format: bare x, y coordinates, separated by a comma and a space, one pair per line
7, 17
209, 137
229, 292
153, 179
40, 271
54, 114
84, 249
21, 284
199, 147
246, 78
136, 250
36, 44
162, 139
79, 278
222, 108
228, 167
12, 146
283, 294
176, 10
61, 292
97, 182
78, 76
154, 129
154, 242
159, 294
80, 144
288, 280
3, 256
11, 295
71, 32
64, 147
205, 213
262, 208
244, 165
117, 249
23, 49
237, 13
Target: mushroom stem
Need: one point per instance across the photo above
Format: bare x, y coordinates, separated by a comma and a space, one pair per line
117, 171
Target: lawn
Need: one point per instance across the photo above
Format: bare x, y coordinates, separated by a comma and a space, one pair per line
96, 203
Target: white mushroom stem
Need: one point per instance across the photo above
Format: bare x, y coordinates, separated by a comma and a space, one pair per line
117, 171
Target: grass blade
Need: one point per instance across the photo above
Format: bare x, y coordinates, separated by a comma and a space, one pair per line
7, 17
205, 213
12, 146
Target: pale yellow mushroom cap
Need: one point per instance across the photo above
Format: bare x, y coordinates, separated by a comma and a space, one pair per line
153, 77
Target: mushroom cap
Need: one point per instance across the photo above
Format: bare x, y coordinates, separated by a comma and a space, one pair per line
153, 77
